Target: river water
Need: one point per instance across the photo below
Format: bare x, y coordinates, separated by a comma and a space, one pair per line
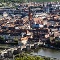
48, 53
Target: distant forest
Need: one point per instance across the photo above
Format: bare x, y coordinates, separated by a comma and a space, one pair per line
27, 0
13, 0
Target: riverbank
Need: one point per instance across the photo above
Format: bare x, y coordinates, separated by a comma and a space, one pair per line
33, 52
44, 52
6, 46
28, 48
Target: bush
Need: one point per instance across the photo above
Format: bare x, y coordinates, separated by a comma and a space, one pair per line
28, 57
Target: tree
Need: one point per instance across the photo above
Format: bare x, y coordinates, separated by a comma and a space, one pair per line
28, 57
2, 40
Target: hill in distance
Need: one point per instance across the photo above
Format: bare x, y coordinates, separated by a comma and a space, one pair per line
28, 0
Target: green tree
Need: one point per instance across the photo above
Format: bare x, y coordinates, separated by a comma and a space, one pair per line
28, 57
1, 38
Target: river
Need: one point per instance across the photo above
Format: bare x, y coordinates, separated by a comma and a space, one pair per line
47, 53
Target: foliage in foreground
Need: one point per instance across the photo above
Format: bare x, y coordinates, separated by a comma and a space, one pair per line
29, 58
25, 56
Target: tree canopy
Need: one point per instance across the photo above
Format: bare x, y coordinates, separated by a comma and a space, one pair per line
13, 0
27, 0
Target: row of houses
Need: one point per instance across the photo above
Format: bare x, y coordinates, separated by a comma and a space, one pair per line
41, 24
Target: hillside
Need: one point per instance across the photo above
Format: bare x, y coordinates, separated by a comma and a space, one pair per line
27, 0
